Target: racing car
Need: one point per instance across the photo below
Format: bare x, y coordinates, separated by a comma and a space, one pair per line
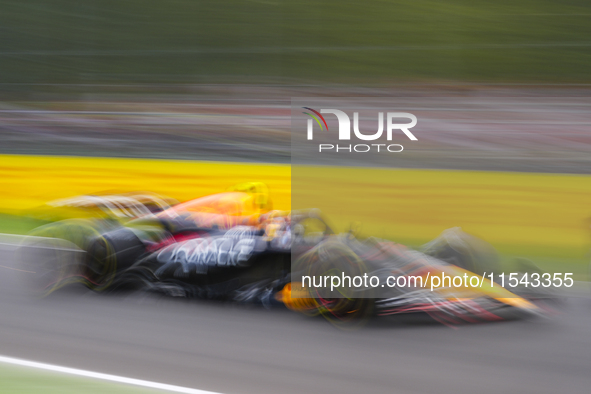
233, 246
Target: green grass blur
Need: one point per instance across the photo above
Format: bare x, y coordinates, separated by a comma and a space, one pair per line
345, 41
16, 224
31, 381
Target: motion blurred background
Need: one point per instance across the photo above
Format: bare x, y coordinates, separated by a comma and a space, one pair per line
298, 42
499, 86
188, 97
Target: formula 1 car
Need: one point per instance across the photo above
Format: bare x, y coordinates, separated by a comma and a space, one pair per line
232, 246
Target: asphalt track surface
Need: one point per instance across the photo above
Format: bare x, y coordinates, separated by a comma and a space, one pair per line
236, 349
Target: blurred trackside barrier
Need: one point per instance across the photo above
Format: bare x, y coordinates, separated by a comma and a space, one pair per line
27, 182
519, 213
527, 214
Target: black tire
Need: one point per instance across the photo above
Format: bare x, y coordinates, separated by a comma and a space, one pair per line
110, 253
343, 310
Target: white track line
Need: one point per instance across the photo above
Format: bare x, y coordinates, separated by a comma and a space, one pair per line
102, 376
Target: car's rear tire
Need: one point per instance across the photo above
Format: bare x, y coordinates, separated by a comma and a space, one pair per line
110, 253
